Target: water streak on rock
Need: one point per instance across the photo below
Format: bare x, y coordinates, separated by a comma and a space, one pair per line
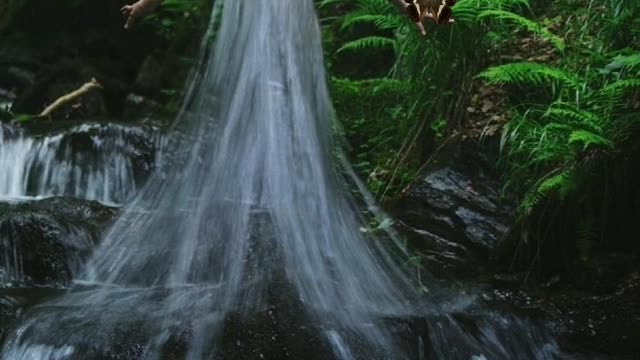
92, 161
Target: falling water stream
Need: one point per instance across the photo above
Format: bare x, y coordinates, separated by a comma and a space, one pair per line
90, 161
249, 218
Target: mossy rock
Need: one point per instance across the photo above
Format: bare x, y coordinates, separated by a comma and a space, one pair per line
50, 239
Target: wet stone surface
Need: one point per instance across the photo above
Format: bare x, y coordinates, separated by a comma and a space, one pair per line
454, 215
107, 162
15, 302
605, 326
45, 242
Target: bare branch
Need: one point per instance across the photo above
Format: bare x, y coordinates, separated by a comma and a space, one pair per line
72, 96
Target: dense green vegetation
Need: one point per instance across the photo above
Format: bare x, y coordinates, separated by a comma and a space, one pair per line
558, 80
438, 71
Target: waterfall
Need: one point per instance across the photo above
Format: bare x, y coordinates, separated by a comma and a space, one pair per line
249, 221
91, 161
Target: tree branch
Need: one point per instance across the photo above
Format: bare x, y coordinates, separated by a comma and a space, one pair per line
72, 96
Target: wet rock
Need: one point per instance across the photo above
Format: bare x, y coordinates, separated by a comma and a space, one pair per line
271, 322
454, 214
6, 100
9, 131
607, 324
104, 162
147, 81
590, 326
46, 242
14, 302
138, 107
603, 273
275, 333
9, 310
275, 325
97, 141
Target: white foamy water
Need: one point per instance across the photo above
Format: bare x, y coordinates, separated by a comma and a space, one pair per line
94, 162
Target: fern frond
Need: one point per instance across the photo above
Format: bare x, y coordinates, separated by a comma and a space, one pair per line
587, 139
561, 182
621, 87
569, 113
525, 23
527, 73
325, 3
369, 42
628, 61
468, 11
380, 21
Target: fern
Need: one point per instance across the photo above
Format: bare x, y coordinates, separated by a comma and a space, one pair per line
621, 87
587, 140
561, 182
569, 113
528, 74
381, 22
376, 42
594, 115
532, 26
629, 61
468, 11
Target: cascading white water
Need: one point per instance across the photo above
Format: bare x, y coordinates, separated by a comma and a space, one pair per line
93, 162
249, 206
14, 149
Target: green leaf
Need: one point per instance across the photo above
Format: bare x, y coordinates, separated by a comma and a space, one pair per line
586, 139
375, 42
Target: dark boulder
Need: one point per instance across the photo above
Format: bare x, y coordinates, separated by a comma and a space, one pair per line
14, 303
9, 311
147, 80
454, 214
45, 242
607, 323
138, 107
589, 326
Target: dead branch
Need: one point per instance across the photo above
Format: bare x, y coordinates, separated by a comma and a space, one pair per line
70, 97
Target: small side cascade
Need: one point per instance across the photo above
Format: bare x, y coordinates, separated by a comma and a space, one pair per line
103, 162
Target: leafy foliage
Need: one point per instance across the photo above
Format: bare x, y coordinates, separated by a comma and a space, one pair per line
524, 23
422, 68
544, 146
572, 110
174, 15
528, 74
